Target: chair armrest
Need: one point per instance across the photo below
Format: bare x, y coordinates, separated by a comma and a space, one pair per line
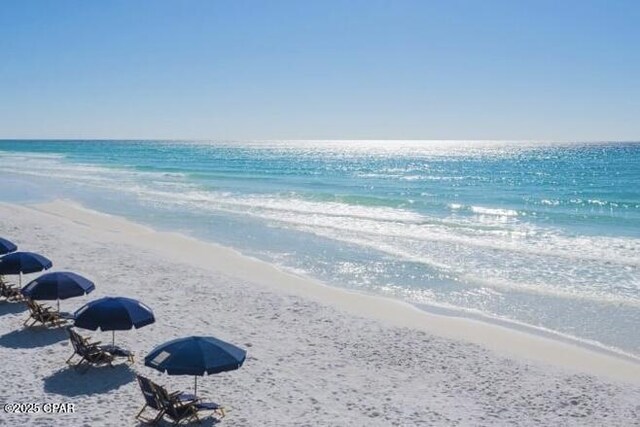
188, 399
179, 393
92, 345
180, 403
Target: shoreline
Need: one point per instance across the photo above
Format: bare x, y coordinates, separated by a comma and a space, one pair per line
548, 348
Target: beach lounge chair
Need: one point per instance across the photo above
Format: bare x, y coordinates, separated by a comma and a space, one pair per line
90, 353
177, 406
149, 391
114, 350
43, 314
150, 401
9, 291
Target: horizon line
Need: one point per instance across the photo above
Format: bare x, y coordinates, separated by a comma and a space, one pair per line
149, 139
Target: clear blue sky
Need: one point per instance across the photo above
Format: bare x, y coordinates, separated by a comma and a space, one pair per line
320, 69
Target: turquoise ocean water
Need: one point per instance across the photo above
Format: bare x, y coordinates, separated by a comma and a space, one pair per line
539, 234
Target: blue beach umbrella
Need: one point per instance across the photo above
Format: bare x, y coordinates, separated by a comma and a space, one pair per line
113, 314
7, 246
23, 263
195, 356
58, 285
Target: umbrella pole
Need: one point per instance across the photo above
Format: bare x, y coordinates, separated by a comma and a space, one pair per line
20, 279
113, 338
58, 305
195, 385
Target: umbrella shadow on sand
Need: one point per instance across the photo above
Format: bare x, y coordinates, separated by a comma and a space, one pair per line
32, 337
70, 382
11, 308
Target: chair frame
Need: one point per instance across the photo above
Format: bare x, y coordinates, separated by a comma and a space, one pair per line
90, 353
43, 314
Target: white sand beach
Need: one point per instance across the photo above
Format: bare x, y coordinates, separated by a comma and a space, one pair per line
317, 355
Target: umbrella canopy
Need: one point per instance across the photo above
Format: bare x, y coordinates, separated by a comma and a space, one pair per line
23, 262
195, 356
58, 285
113, 314
7, 246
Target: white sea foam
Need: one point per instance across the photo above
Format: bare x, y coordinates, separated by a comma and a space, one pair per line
17, 156
493, 211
